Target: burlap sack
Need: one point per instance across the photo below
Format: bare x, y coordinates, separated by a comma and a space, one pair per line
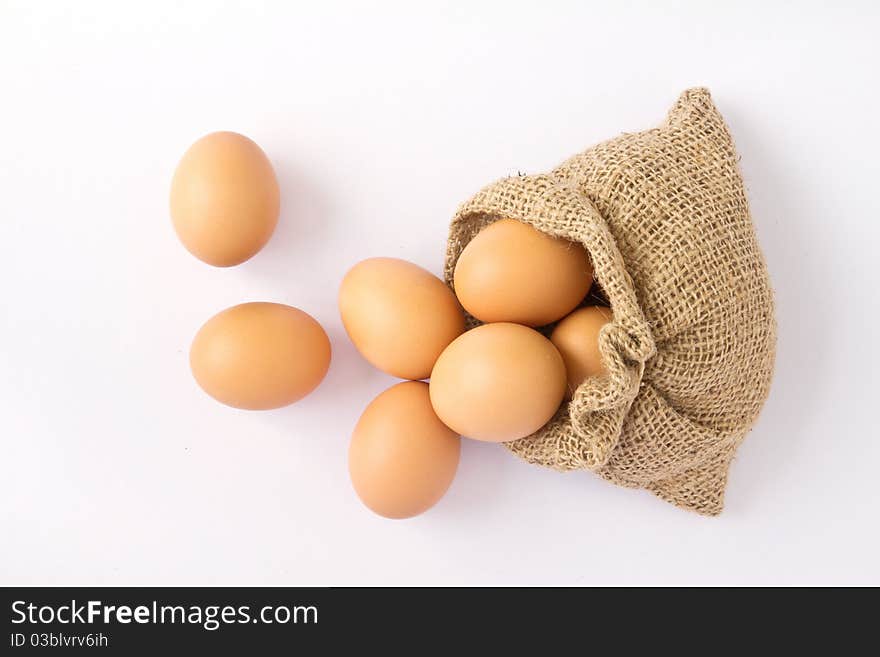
690, 351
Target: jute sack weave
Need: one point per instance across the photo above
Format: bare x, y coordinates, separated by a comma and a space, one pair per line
690, 351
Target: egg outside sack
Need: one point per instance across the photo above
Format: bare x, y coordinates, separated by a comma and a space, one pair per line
225, 199
259, 356
399, 316
402, 458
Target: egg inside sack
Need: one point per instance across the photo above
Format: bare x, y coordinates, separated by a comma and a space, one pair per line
498, 382
260, 355
225, 199
512, 272
577, 339
402, 458
398, 315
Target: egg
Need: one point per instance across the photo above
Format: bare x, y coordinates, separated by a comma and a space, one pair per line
398, 315
260, 355
512, 272
224, 199
498, 382
576, 337
402, 458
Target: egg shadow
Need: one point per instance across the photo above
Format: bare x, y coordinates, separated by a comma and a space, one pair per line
478, 489
350, 376
302, 225
777, 200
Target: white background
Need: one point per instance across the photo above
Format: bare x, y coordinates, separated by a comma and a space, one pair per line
116, 469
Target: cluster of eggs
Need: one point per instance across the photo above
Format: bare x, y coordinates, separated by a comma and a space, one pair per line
500, 381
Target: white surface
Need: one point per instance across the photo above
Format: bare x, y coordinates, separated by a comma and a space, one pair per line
117, 469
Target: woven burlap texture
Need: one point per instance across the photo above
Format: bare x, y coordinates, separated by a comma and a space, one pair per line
690, 351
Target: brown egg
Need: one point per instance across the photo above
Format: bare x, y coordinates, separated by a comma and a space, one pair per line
260, 355
224, 199
511, 272
498, 382
398, 315
402, 459
577, 339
